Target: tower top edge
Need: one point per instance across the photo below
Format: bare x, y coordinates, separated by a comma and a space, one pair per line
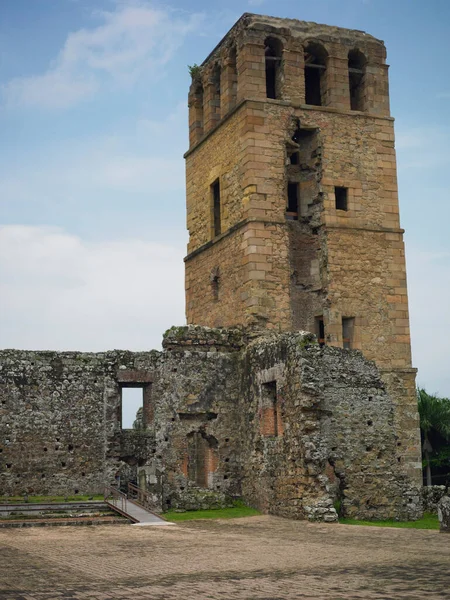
294, 28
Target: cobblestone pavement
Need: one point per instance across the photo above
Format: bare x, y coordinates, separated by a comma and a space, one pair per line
264, 558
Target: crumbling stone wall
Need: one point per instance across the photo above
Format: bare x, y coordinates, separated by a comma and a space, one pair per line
197, 391
60, 420
431, 495
288, 425
337, 447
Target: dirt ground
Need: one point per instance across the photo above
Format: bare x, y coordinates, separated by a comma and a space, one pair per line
252, 558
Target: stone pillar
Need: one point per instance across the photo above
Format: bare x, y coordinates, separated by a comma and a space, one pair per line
195, 103
251, 70
211, 105
294, 76
338, 92
228, 84
376, 89
401, 385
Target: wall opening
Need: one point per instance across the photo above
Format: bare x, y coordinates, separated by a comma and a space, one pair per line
348, 325
320, 331
216, 93
315, 74
201, 458
273, 50
232, 61
294, 158
270, 424
356, 79
132, 407
215, 283
215, 192
292, 201
341, 198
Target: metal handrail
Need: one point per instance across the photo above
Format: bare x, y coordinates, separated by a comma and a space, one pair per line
117, 496
142, 497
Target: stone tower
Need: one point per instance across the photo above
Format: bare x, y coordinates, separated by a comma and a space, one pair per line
292, 205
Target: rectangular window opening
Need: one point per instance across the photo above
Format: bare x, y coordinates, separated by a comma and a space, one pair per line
347, 332
292, 201
341, 196
320, 331
215, 188
132, 403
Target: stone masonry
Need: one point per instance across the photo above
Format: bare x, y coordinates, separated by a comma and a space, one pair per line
290, 426
293, 225
290, 123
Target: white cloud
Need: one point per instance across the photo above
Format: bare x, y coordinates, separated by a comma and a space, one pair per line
131, 40
61, 292
423, 148
141, 163
429, 290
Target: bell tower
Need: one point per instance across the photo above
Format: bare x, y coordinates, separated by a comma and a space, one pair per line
292, 204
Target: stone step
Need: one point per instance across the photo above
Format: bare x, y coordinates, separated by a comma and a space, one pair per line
35, 508
74, 521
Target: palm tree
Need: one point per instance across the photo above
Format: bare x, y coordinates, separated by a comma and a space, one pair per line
434, 414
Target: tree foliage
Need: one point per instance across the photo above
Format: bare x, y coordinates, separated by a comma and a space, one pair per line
139, 420
434, 415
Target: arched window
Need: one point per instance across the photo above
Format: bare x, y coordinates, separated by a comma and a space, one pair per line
315, 74
215, 78
233, 76
356, 71
273, 50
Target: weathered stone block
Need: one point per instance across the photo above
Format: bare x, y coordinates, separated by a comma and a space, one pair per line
444, 514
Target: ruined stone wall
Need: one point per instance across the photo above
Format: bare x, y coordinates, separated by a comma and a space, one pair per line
287, 425
197, 391
337, 446
60, 420
60, 413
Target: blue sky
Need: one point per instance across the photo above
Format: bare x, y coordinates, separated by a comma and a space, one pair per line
93, 115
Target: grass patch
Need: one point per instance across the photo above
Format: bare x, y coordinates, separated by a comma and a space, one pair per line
239, 510
48, 499
428, 521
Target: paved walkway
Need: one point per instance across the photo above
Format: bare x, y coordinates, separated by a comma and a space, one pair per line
256, 558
